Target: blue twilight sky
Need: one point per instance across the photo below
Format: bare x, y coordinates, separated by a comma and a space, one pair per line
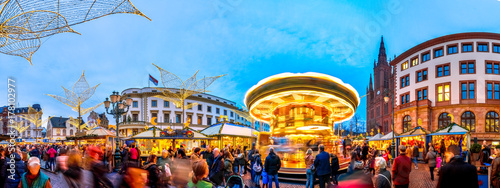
247, 40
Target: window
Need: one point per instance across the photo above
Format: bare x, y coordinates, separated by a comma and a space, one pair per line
443, 92
426, 57
58, 132
491, 124
386, 108
153, 103
209, 120
209, 109
71, 132
421, 75
492, 67
177, 118
188, 104
442, 70
232, 114
404, 66
468, 89
482, 47
452, 49
135, 117
493, 90
406, 123
496, 48
466, 47
200, 107
469, 121
405, 98
422, 94
414, 61
199, 120
217, 110
166, 118
135, 104
64, 132
443, 120
405, 81
190, 118
154, 115
225, 112
467, 67
166, 104
438, 53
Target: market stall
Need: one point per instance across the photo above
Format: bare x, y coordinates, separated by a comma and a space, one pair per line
451, 135
228, 133
413, 137
154, 140
96, 136
386, 140
375, 141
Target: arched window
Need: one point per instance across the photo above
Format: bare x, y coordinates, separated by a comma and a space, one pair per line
469, 121
443, 120
491, 124
406, 123
71, 132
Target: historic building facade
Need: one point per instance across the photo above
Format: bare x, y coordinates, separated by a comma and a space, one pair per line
379, 112
58, 128
454, 78
30, 133
208, 111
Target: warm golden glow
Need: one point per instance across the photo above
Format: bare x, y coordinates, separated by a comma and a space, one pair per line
313, 128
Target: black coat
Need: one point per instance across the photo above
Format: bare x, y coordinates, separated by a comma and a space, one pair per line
216, 171
335, 165
20, 168
457, 173
322, 164
154, 175
272, 164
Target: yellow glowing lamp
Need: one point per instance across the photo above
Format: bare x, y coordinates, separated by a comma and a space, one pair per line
153, 121
419, 121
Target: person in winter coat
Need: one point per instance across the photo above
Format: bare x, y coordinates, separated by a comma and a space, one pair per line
216, 174
34, 152
415, 155
383, 177
154, 172
34, 178
323, 167
457, 173
241, 161
20, 169
74, 174
2, 166
236, 163
52, 158
431, 159
401, 169
309, 160
335, 168
495, 171
228, 164
257, 168
272, 165
484, 156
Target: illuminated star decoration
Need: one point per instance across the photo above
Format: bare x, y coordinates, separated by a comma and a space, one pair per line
34, 117
80, 93
24, 22
186, 88
19, 126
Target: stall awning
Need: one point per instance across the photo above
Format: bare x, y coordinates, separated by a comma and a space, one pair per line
415, 132
100, 131
451, 130
388, 136
229, 129
376, 137
148, 134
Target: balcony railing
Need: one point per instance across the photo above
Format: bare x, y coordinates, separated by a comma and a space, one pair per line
414, 103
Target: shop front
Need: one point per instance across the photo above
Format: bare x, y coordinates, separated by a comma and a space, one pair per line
451, 135
225, 134
413, 137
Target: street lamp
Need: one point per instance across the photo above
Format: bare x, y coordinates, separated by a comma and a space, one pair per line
386, 99
118, 108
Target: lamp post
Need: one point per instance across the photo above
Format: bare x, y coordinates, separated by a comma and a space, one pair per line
386, 99
118, 108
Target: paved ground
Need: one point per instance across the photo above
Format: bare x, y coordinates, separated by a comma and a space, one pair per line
419, 178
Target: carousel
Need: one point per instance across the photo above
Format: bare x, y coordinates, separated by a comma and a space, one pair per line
301, 110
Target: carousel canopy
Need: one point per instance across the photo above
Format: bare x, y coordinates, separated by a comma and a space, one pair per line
453, 129
388, 136
376, 137
415, 132
148, 134
229, 129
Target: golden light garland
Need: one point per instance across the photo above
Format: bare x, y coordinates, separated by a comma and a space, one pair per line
34, 117
24, 22
186, 88
19, 126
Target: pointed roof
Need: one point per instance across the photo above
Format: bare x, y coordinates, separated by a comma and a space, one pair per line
229, 129
453, 129
376, 137
388, 136
382, 57
415, 132
370, 87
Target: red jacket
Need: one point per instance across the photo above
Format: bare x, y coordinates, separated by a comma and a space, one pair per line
401, 170
52, 152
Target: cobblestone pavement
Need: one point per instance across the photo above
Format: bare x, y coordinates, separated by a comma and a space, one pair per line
419, 178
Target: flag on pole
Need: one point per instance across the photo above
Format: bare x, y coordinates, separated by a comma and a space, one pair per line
155, 81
